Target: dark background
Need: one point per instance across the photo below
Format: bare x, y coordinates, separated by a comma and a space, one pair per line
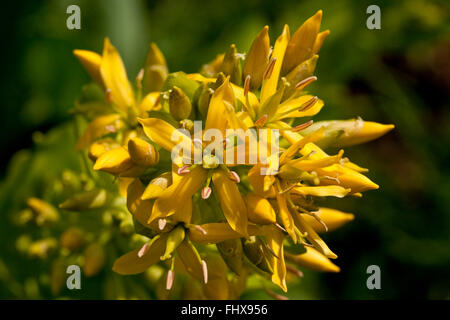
399, 74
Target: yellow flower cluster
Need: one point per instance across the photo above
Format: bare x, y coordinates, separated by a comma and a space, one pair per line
216, 224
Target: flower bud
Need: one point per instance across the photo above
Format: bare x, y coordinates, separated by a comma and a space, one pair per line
179, 104
85, 200
313, 259
332, 218
231, 65
142, 153
72, 239
94, 259
114, 161
42, 248
155, 72
44, 212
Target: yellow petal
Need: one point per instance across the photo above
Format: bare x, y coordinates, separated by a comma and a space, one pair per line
156, 187
314, 260
231, 201
321, 191
155, 71
200, 78
333, 218
100, 126
313, 237
343, 133
257, 58
114, 161
319, 40
215, 118
239, 94
347, 177
140, 209
291, 108
191, 259
91, 62
285, 215
164, 134
274, 239
301, 45
259, 209
174, 198
262, 184
310, 165
218, 232
115, 78
269, 86
130, 263
150, 102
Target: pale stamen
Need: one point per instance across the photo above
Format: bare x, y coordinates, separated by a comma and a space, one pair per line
295, 271
183, 170
162, 223
206, 192
199, 228
205, 271
235, 177
169, 280
143, 250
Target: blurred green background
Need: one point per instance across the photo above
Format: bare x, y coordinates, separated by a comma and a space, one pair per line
399, 74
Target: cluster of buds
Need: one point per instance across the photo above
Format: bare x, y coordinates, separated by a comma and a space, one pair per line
209, 225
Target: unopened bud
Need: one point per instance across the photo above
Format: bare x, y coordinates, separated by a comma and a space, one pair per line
142, 153
179, 104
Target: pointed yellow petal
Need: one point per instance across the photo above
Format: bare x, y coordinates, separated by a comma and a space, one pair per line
231, 201
191, 259
155, 71
91, 62
333, 218
164, 134
115, 78
321, 191
274, 239
130, 263
257, 58
292, 108
114, 161
150, 102
343, 133
259, 209
314, 260
319, 40
140, 209
301, 45
286, 217
217, 109
269, 86
313, 237
262, 184
174, 198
